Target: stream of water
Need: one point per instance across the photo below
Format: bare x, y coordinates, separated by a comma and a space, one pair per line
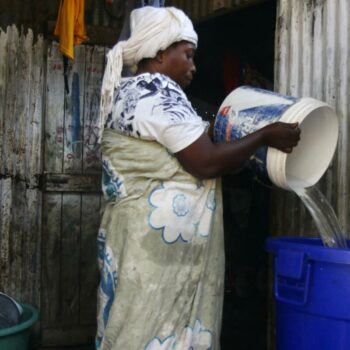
323, 214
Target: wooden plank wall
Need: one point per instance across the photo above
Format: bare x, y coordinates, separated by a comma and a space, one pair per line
50, 183
22, 70
71, 213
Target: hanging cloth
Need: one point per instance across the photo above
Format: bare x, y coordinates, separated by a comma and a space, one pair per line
70, 27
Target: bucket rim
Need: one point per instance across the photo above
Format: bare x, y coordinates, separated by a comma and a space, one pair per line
276, 160
22, 326
312, 247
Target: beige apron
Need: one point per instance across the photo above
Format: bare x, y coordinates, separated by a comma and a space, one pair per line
160, 250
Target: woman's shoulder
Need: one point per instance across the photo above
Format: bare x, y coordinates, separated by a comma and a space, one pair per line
150, 83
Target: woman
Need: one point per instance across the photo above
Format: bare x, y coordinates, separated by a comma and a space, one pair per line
161, 238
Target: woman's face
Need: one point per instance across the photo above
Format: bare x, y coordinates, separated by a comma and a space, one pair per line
178, 62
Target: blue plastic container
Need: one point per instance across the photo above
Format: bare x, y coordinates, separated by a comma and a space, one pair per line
312, 294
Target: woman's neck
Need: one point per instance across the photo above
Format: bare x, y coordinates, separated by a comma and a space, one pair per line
147, 67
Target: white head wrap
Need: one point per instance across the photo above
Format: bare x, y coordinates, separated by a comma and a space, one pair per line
152, 29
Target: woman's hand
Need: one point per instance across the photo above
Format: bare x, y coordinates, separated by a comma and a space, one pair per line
283, 136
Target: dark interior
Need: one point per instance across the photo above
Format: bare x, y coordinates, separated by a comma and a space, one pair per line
237, 49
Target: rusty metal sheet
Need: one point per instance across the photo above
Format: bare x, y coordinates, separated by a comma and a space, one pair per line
200, 10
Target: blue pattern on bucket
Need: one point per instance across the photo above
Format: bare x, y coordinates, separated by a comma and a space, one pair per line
231, 126
220, 128
252, 119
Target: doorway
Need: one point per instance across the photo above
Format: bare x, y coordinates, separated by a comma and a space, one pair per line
237, 49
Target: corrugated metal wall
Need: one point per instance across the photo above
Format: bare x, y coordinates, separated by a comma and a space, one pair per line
311, 59
202, 9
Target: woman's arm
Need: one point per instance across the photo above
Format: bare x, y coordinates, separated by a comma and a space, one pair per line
204, 159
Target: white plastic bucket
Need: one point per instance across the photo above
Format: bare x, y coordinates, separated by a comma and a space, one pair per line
248, 109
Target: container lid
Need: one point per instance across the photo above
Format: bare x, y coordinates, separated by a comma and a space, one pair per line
10, 311
312, 247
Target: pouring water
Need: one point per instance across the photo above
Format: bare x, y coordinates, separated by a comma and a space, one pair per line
322, 212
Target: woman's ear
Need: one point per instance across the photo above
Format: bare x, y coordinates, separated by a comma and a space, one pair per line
160, 56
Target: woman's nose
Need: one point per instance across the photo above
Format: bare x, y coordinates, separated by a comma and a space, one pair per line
193, 68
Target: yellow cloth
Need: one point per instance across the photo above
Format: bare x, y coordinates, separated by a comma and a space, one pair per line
70, 27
